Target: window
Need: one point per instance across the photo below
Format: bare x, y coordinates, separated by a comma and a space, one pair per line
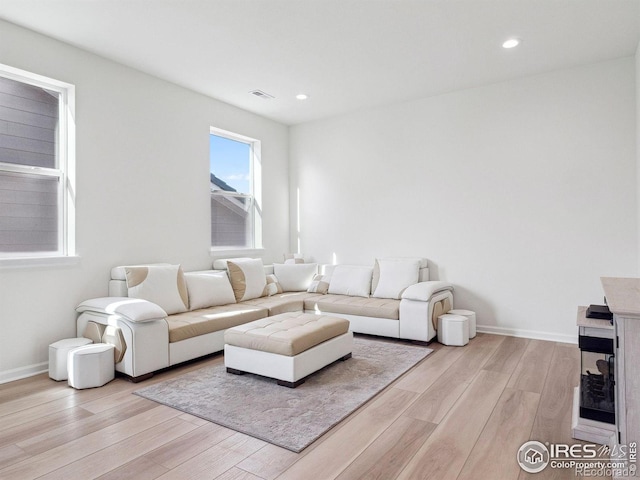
234, 175
36, 166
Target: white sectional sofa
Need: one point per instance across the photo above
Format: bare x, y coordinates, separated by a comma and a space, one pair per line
164, 316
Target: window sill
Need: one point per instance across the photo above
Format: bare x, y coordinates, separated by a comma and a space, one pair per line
29, 262
226, 252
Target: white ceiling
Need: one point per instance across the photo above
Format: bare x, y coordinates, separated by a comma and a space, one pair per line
346, 55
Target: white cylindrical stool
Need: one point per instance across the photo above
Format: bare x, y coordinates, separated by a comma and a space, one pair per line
472, 320
453, 330
58, 352
91, 366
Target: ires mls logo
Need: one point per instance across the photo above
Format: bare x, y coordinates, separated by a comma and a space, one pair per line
587, 460
533, 457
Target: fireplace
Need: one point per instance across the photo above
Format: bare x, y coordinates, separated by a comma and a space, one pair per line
597, 377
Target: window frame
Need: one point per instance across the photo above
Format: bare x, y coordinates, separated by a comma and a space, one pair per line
64, 170
254, 245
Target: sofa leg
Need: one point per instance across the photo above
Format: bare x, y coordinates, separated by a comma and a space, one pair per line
284, 383
234, 371
140, 378
346, 357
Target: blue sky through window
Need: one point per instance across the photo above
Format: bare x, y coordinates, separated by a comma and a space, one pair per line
229, 160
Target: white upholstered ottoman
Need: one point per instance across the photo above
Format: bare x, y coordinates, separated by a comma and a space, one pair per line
58, 352
471, 316
91, 366
288, 347
453, 330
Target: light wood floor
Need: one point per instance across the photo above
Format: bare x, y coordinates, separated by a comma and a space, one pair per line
462, 413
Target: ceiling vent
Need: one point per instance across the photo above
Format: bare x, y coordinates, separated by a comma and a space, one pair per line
261, 94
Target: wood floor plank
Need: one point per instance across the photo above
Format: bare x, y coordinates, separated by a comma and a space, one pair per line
269, 462
390, 452
116, 455
216, 460
553, 419
423, 375
445, 451
120, 399
62, 455
10, 454
24, 431
25, 386
494, 454
58, 398
434, 403
178, 451
238, 474
140, 468
330, 457
508, 355
40, 442
531, 372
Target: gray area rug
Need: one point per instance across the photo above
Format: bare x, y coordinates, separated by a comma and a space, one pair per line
289, 418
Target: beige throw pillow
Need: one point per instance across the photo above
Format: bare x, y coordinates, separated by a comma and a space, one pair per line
273, 287
392, 276
248, 279
163, 285
319, 284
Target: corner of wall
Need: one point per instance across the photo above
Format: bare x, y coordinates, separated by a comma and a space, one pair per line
637, 58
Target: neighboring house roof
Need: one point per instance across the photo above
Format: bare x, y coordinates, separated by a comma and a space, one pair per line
221, 184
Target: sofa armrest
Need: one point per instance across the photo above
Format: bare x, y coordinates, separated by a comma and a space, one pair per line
133, 309
423, 291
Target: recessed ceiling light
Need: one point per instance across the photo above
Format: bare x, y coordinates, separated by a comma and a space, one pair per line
512, 42
302, 96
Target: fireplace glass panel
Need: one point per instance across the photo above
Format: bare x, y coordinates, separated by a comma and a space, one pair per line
597, 386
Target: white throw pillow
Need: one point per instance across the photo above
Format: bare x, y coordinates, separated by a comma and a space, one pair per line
163, 285
248, 278
209, 289
221, 263
135, 310
354, 280
395, 276
295, 277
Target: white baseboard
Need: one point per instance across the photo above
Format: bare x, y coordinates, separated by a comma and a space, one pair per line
533, 334
23, 372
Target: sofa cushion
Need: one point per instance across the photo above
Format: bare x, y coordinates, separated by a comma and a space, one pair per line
288, 334
351, 280
200, 322
208, 289
295, 277
391, 277
281, 303
366, 307
248, 279
162, 285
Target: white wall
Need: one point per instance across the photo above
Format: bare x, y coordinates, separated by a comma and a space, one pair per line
521, 193
142, 188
